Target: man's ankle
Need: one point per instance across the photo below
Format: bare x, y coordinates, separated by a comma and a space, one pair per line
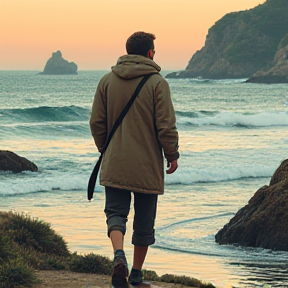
119, 253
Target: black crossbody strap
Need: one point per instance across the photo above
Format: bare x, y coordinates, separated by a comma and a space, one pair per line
93, 177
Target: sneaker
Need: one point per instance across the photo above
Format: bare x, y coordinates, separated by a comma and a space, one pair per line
120, 272
135, 277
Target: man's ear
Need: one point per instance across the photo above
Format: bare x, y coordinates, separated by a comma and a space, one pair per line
150, 54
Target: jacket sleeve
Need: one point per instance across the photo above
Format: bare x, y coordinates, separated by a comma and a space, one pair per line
165, 121
98, 121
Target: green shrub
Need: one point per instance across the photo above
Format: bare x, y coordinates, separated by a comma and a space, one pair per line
43, 261
7, 249
184, 280
15, 273
150, 275
33, 233
91, 263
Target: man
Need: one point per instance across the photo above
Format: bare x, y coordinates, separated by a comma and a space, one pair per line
133, 161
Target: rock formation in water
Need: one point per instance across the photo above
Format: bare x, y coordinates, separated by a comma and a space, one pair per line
56, 65
10, 161
240, 44
263, 222
279, 72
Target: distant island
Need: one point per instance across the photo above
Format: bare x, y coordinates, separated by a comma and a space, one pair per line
246, 44
56, 65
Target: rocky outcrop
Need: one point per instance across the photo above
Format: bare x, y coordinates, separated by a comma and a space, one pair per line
279, 72
10, 161
56, 65
240, 44
263, 222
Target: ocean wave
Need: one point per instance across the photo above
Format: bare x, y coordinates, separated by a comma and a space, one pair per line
191, 114
44, 114
200, 80
188, 175
35, 182
217, 81
45, 130
39, 182
186, 221
203, 118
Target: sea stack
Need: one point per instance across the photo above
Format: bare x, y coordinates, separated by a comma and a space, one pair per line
56, 65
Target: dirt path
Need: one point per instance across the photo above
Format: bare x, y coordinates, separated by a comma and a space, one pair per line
67, 279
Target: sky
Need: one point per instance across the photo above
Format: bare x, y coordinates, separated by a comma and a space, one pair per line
93, 33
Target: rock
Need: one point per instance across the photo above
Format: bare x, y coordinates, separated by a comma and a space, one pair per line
56, 65
240, 44
263, 222
279, 72
10, 161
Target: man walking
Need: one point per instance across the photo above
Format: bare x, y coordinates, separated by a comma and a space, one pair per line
133, 161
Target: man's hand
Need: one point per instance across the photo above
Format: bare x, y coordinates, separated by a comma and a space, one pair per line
172, 166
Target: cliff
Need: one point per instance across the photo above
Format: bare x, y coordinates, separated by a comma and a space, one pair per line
56, 65
279, 72
240, 43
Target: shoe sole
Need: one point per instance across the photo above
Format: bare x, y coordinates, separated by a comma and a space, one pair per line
120, 274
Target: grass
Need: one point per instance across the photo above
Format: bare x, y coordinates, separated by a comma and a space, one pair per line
15, 273
170, 278
27, 244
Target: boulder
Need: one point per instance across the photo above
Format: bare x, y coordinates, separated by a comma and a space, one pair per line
263, 222
56, 65
10, 161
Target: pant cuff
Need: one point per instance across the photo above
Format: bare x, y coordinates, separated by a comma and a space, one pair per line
143, 241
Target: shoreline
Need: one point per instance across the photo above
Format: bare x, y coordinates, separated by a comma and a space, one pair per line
82, 225
38, 256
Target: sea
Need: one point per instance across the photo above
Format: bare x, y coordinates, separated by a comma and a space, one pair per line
233, 136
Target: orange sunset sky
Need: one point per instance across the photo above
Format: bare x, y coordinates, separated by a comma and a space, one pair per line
92, 33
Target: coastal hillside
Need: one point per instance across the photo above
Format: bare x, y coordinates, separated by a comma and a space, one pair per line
240, 43
279, 71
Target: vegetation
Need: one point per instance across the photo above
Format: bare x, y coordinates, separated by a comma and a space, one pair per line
257, 32
169, 278
27, 244
15, 273
284, 41
91, 263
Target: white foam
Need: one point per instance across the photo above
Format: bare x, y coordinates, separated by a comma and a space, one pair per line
187, 175
70, 182
43, 183
262, 119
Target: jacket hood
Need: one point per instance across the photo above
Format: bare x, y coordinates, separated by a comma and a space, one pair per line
131, 66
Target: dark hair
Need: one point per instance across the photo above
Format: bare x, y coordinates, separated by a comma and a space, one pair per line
140, 43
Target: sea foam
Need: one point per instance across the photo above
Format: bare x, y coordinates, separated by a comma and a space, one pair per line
262, 119
190, 175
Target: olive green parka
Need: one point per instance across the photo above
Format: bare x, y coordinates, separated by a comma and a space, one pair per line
134, 157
